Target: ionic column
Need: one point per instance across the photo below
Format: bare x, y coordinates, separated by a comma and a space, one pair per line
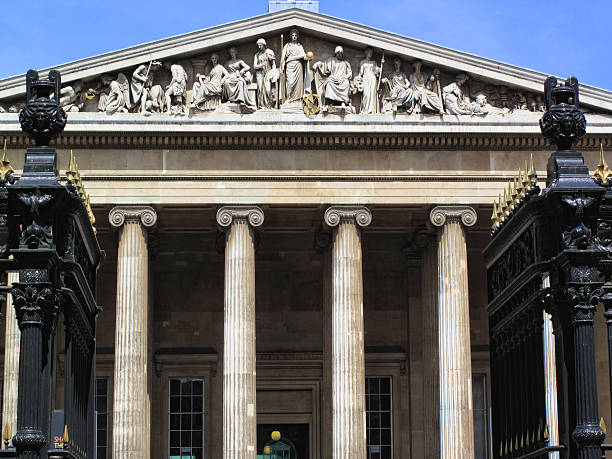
348, 359
11, 362
131, 396
239, 358
455, 370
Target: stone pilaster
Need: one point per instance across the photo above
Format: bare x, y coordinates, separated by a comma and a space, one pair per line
11, 361
131, 420
348, 358
239, 358
455, 370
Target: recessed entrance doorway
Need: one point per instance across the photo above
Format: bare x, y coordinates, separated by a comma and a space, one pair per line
283, 441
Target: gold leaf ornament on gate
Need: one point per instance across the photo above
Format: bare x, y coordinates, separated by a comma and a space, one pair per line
311, 104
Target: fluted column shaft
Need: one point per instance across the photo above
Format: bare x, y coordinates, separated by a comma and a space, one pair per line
239, 358
348, 358
431, 421
131, 422
455, 368
11, 362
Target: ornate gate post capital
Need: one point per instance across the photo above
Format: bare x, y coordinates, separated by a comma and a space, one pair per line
440, 214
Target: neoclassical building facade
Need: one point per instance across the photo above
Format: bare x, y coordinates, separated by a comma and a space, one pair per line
293, 209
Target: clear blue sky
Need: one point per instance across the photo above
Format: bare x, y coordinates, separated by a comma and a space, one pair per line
559, 37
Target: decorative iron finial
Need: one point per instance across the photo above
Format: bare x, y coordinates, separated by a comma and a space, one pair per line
42, 118
602, 424
494, 217
65, 438
5, 165
563, 123
6, 435
602, 173
74, 177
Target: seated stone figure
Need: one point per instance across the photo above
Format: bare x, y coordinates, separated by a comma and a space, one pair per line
332, 78
236, 82
423, 89
400, 93
207, 89
455, 100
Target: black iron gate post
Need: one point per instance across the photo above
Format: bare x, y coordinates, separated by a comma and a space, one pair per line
555, 233
52, 243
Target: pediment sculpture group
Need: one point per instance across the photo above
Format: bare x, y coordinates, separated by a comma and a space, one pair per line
327, 85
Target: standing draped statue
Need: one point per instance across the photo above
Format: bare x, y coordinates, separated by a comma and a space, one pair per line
367, 83
207, 89
266, 75
151, 97
400, 93
292, 63
237, 80
423, 89
332, 77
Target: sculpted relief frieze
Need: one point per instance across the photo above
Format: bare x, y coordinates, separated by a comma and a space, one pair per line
291, 73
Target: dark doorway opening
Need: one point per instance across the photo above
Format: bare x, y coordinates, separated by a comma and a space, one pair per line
296, 435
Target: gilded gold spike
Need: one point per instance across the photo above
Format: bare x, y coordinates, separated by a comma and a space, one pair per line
494, 217
546, 432
540, 431
533, 176
501, 448
527, 441
509, 198
505, 209
602, 172
506, 452
5, 164
602, 424
522, 442
516, 443
65, 438
6, 432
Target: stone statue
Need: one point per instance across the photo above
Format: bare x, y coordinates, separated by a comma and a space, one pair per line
332, 77
118, 97
177, 89
236, 82
423, 89
366, 82
455, 100
482, 106
400, 93
292, 63
72, 97
266, 75
151, 97
207, 89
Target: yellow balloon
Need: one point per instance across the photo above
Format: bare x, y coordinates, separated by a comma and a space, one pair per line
276, 435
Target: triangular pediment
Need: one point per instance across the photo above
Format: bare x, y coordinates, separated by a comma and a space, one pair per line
318, 33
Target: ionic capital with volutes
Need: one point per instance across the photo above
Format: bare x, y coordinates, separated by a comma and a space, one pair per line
145, 214
253, 215
440, 215
358, 214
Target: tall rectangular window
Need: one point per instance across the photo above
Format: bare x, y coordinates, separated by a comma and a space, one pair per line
186, 423
379, 419
481, 430
102, 417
